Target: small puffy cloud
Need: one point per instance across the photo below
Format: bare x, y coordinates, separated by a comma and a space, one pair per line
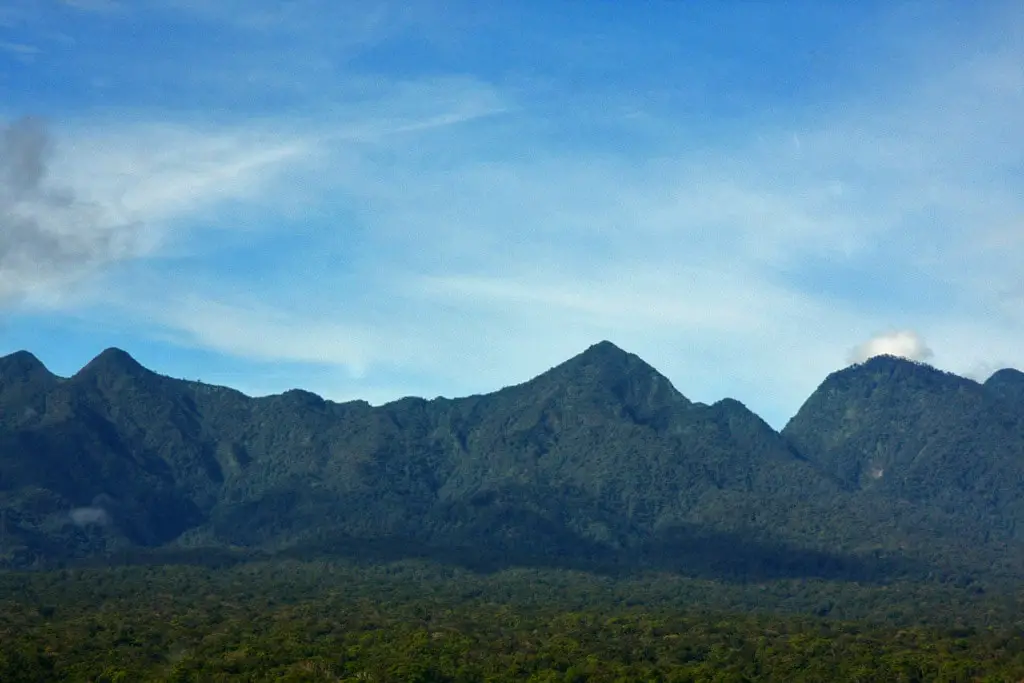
902, 343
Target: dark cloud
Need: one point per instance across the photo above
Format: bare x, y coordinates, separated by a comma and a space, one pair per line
48, 236
25, 146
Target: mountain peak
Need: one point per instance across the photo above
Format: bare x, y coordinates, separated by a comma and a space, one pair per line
603, 353
1007, 384
21, 360
606, 370
895, 416
114, 361
885, 369
887, 361
21, 365
606, 361
1006, 375
880, 380
604, 348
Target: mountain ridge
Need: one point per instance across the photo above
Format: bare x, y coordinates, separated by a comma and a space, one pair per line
599, 459
115, 356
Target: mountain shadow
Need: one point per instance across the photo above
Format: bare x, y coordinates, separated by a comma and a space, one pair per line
695, 553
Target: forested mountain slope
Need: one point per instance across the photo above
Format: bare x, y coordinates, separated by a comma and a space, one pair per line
913, 433
890, 466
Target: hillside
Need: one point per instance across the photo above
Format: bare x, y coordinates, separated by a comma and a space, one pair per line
890, 468
911, 433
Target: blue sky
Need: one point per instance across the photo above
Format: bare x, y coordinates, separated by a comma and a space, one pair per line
379, 199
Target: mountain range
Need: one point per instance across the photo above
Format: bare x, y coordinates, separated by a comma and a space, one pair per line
890, 468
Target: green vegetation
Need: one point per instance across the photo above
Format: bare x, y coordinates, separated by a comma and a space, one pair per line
950, 451
590, 524
413, 621
891, 471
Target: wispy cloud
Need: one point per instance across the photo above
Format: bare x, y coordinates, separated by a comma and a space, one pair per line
464, 221
689, 258
276, 335
92, 5
114, 195
48, 235
20, 49
159, 172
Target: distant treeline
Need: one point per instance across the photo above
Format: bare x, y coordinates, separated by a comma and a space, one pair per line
318, 621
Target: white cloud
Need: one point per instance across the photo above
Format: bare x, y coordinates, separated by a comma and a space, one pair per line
473, 256
23, 50
498, 270
629, 296
903, 343
115, 189
265, 334
70, 212
49, 235
155, 173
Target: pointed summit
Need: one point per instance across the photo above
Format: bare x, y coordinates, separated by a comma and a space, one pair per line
608, 355
606, 361
114, 362
607, 374
604, 348
605, 358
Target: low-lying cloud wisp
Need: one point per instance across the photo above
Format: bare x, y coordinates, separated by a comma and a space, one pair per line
90, 515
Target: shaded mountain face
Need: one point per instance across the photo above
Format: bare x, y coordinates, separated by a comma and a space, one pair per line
622, 455
1008, 384
918, 434
599, 460
114, 442
24, 383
